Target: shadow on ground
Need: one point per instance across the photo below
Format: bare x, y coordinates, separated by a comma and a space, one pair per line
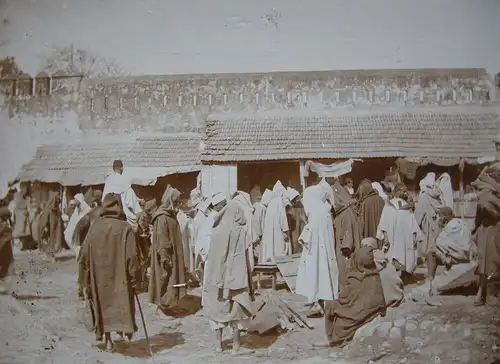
28, 297
188, 305
140, 349
255, 341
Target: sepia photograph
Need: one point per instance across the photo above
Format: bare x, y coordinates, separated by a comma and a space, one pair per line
250, 181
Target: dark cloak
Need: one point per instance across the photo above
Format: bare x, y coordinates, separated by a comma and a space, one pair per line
167, 247
51, 228
360, 300
108, 258
370, 209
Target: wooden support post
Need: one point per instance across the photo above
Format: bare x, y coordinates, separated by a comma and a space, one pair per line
258, 281
461, 168
302, 175
273, 281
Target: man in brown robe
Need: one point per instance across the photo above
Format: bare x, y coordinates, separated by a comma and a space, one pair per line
81, 231
370, 209
486, 233
21, 230
109, 259
6, 255
167, 256
227, 293
346, 225
51, 228
360, 300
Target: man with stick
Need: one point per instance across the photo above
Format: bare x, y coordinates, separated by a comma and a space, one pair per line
108, 259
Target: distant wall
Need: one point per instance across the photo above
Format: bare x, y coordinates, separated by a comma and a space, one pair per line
183, 102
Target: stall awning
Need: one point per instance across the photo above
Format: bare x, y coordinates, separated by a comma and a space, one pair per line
88, 161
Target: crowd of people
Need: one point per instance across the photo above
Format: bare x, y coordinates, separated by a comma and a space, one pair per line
357, 247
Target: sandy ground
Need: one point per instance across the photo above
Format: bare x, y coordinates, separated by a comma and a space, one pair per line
43, 323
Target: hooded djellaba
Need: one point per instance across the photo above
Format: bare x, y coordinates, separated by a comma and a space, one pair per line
370, 209
346, 225
359, 301
52, 228
426, 212
108, 258
6, 254
486, 233
167, 255
227, 291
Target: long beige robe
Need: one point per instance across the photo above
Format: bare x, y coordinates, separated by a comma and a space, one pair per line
275, 225
401, 227
318, 275
259, 213
226, 289
243, 199
184, 222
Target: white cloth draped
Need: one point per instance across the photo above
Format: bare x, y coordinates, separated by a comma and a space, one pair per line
121, 185
444, 185
80, 211
275, 224
454, 241
243, 199
428, 183
318, 275
378, 187
401, 227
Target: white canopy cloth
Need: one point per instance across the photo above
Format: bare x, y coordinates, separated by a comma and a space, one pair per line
329, 170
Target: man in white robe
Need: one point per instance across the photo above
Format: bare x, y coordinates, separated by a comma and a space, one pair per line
121, 185
184, 223
318, 275
452, 244
400, 230
202, 246
275, 226
81, 209
243, 199
259, 216
292, 197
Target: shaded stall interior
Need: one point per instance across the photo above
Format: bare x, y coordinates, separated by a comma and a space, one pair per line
265, 174
184, 182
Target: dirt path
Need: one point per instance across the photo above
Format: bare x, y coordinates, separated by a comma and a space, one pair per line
44, 325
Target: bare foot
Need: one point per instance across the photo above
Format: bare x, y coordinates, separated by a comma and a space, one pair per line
118, 336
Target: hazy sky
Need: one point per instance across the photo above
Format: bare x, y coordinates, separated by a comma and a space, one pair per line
197, 36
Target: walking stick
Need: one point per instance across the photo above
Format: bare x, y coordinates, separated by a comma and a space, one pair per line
144, 325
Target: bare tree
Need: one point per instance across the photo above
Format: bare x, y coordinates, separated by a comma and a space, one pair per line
73, 61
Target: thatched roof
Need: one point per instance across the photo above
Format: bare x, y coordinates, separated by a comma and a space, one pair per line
88, 161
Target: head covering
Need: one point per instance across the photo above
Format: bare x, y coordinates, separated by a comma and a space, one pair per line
203, 205
195, 197
255, 194
444, 185
365, 189
369, 242
291, 193
170, 196
278, 190
428, 183
112, 207
378, 187
266, 197
446, 211
217, 198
